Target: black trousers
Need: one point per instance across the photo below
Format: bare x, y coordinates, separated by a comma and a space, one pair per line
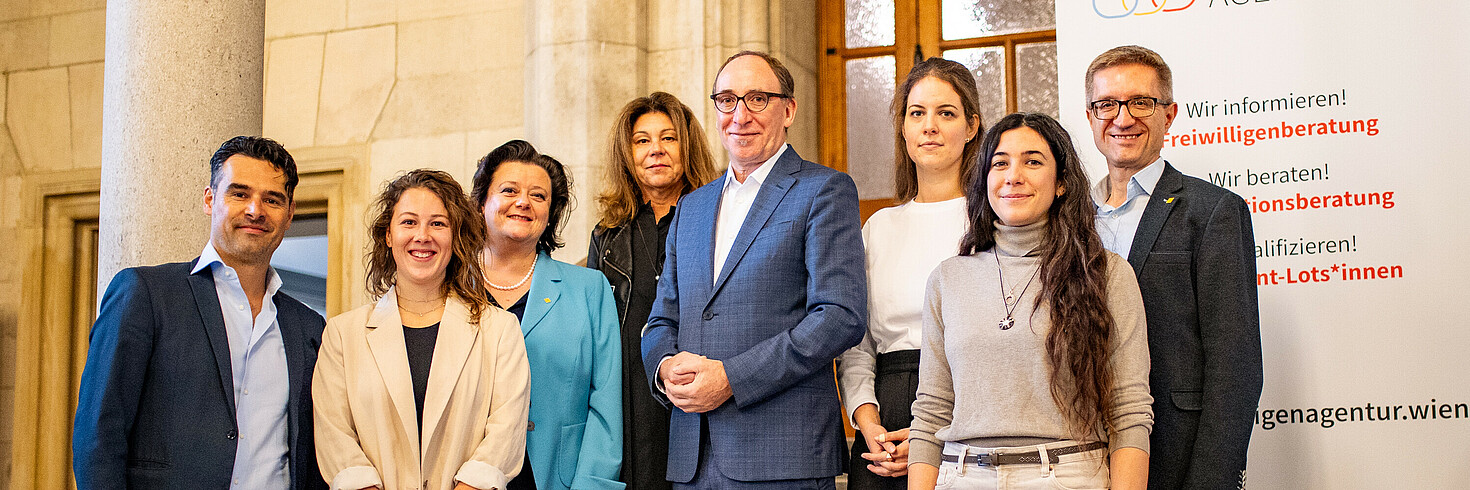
896, 385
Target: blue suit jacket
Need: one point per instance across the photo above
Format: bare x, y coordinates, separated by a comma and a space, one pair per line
791, 297
1194, 254
571, 330
157, 401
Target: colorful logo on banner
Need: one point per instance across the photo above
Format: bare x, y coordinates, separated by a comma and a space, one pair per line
1126, 10
1117, 9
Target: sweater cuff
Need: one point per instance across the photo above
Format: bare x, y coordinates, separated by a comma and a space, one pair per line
1135, 437
357, 477
924, 451
481, 475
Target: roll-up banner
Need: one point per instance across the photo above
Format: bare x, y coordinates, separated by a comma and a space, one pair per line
1345, 126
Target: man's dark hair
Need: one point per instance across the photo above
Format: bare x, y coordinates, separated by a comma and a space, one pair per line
259, 148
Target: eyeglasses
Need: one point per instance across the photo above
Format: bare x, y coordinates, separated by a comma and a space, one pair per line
1137, 107
755, 100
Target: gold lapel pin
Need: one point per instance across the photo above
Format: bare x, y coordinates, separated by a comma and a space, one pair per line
1170, 200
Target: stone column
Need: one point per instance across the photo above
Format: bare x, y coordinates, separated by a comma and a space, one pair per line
584, 61
180, 78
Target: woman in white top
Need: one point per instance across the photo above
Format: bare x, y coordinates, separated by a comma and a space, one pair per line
936, 117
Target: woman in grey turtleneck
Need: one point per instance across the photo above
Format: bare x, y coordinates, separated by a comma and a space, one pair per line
1034, 361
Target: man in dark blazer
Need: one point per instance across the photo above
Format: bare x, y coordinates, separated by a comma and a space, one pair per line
199, 373
763, 285
1190, 243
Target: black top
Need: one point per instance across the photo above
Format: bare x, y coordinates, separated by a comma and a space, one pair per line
420, 344
648, 263
519, 309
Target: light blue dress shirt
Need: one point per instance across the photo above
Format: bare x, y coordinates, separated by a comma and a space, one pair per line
1118, 225
262, 385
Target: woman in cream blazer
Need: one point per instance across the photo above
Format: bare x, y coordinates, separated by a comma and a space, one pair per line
473, 403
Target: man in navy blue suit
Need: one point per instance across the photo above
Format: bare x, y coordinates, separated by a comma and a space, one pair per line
763, 285
198, 373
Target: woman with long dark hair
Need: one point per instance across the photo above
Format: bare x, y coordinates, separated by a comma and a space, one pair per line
1034, 364
936, 121
656, 154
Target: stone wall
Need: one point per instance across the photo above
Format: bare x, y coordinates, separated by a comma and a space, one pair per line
368, 89
50, 124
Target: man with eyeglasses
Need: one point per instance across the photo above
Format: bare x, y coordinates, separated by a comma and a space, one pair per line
1190, 243
763, 286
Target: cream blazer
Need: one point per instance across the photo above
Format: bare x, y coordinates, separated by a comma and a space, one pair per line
475, 407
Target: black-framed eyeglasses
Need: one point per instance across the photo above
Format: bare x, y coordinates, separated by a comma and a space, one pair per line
1137, 107
755, 100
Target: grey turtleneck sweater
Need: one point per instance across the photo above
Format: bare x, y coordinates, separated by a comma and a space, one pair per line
988, 387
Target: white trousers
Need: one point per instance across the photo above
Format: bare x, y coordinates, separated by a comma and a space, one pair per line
1077, 471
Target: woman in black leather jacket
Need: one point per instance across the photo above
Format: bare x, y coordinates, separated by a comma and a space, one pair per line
656, 154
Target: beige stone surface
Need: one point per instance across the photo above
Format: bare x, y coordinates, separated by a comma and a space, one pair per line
3, 78
365, 13
293, 80
454, 102
674, 24
458, 44
86, 115
296, 17
23, 44
391, 157
78, 37
479, 143
432, 9
39, 117
569, 21
25, 9
357, 76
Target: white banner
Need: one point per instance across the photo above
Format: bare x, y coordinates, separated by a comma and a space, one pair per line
1343, 124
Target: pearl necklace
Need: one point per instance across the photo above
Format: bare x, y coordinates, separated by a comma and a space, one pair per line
523, 280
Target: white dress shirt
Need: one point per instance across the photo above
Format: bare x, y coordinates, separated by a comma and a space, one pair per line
735, 202
904, 244
1118, 225
262, 385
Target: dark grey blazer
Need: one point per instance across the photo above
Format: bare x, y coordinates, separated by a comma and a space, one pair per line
157, 401
1195, 259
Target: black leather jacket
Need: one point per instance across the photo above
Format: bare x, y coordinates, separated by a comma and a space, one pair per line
611, 252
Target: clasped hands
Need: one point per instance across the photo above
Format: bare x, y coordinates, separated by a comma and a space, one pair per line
888, 452
694, 383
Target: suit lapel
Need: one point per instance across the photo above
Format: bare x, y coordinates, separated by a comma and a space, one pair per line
385, 341
206, 298
543, 294
772, 191
296, 367
1160, 204
695, 219
451, 350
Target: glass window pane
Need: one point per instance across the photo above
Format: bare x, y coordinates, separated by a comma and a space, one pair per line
301, 261
963, 19
870, 125
869, 23
1036, 78
989, 67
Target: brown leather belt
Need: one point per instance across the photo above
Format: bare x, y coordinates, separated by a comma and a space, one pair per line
1026, 457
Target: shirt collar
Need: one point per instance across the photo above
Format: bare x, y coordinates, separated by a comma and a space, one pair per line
1144, 181
760, 172
209, 257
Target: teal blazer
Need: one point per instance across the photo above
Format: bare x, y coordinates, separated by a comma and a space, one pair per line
575, 438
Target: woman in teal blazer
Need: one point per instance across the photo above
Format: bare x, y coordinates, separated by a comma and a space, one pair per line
574, 436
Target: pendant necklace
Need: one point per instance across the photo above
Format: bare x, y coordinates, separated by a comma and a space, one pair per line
521, 282
1010, 300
